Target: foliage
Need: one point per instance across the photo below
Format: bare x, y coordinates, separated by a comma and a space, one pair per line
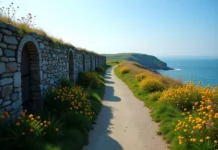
199, 129
124, 70
99, 69
151, 85
141, 76
89, 79
182, 97
27, 126
70, 99
66, 83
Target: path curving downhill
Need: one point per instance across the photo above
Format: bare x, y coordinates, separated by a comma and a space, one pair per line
123, 123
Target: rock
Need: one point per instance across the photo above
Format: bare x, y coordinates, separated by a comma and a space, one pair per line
9, 52
14, 47
44, 76
3, 25
17, 89
3, 45
51, 81
17, 79
12, 28
2, 68
8, 108
5, 103
1, 53
7, 32
11, 59
1, 101
16, 104
3, 59
5, 75
14, 97
6, 90
10, 40
5, 81
41, 46
11, 67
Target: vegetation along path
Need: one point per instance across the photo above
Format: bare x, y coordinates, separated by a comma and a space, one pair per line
123, 123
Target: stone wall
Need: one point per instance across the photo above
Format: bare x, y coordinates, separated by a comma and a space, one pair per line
32, 64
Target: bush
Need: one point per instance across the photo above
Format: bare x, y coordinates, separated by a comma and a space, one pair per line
182, 97
100, 69
141, 76
27, 126
154, 96
124, 70
66, 99
151, 85
89, 79
199, 129
66, 83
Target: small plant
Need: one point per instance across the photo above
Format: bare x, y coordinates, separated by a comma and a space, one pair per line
151, 85
182, 97
89, 79
9, 12
199, 129
141, 76
66, 83
125, 70
100, 69
65, 99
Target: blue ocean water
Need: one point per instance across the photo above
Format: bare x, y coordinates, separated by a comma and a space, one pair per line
194, 69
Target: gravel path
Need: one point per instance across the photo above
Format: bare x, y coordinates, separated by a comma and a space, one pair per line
123, 123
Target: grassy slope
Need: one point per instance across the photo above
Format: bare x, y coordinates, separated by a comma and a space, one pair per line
165, 114
146, 60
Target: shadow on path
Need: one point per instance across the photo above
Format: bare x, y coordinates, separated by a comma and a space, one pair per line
99, 138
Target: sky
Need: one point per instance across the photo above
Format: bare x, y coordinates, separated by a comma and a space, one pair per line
154, 27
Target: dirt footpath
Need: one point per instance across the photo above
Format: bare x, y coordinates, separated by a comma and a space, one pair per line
123, 123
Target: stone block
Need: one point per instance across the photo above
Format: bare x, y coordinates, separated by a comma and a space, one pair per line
1, 100
14, 97
14, 47
11, 66
9, 52
12, 28
6, 90
5, 75
3, 25
5, 81
2, 67
8, 108
5, 103
17, 79
16, 104
3, 45
10, 40
3, 59
7, 32
11, 59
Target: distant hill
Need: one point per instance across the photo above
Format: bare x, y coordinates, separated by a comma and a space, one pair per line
148, 61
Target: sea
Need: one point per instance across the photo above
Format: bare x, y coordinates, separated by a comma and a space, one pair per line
204, 70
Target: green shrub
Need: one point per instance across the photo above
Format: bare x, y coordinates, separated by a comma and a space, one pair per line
66, 83
151, 85
141, 76
154, 96
124, 70
100, 69
89, 79
65, 99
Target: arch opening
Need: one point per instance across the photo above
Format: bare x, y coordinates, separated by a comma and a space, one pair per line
30, 76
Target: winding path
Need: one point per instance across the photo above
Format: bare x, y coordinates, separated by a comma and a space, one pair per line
123, 123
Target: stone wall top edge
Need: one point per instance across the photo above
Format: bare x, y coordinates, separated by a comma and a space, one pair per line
14, 29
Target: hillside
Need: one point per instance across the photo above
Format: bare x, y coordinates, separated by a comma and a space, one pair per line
148, 61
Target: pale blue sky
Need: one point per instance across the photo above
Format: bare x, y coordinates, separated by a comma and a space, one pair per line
155, 27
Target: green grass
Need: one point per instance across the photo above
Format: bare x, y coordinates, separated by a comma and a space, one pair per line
165, 115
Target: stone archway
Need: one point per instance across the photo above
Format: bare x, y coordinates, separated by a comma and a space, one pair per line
71, 66
28, 57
